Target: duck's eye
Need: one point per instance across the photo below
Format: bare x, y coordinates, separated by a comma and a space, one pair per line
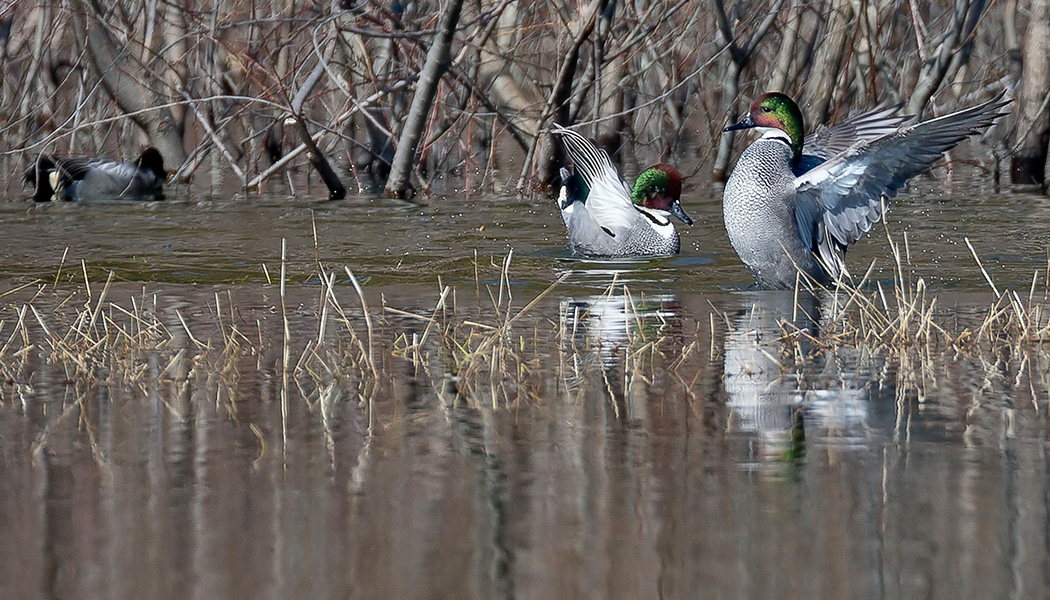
767, 109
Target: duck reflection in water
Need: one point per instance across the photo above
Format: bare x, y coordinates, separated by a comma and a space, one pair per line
611, 329
778, 385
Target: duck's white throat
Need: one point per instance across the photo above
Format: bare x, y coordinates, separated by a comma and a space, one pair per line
774, 133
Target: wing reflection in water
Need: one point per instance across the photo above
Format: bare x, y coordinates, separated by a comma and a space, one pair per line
610, 322
781, 389
616, 332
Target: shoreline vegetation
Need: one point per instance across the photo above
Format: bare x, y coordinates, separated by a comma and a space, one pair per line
394, 97
479, 343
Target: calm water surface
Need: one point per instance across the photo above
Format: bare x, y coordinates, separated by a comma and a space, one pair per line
659, 442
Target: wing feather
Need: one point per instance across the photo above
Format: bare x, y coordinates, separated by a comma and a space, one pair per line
608, 199
843, 196
827, 142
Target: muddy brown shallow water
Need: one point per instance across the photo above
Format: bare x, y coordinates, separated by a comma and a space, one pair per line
658, 442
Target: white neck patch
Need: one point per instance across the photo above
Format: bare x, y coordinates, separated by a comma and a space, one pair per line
660, 221
774, 133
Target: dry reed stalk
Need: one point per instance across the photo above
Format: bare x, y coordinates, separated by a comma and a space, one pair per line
370, 355
285, 346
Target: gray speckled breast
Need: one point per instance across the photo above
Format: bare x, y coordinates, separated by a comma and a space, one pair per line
759, 214
587, 238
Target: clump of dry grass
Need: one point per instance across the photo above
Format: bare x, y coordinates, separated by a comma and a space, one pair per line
92, 339
906, 323
479, 358
908, 316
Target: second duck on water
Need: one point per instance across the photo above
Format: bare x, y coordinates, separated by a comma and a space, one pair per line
77, 178
606, 218
794, 204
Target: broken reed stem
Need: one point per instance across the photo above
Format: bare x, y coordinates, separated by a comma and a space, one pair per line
328, 281
984, 272
370, 357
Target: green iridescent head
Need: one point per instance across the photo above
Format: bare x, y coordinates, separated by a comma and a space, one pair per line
660, 187
778, 111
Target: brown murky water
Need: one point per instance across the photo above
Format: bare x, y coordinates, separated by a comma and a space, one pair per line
653, 444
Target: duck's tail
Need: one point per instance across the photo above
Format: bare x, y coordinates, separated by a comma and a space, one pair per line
573, 188
38, 175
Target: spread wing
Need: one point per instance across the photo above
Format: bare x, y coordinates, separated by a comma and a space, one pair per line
826, 142
840, 199
880, 121
608, 198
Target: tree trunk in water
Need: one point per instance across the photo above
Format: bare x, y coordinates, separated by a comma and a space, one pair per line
739, 59
543, 151
498, 76
438, 59
372, 148
611, 104
950, 55
336, 189
827, 63
123, 78
730, 90
1011, 40
1030, 153
609, 94
782, 78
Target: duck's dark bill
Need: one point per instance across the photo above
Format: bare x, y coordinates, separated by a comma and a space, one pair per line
745, 123
678, 211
